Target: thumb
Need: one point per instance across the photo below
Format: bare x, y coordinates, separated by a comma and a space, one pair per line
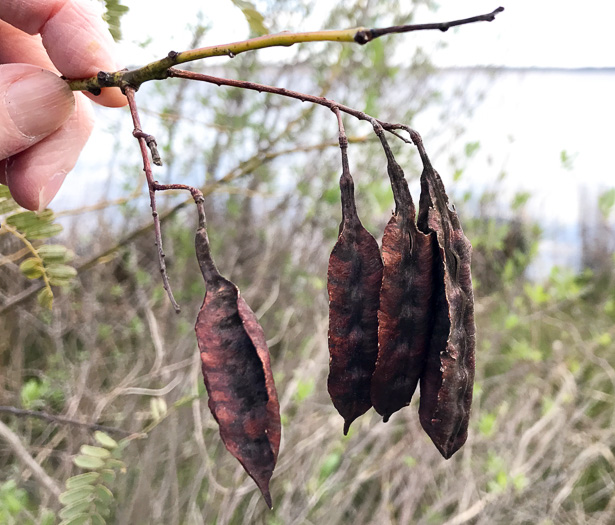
34, 103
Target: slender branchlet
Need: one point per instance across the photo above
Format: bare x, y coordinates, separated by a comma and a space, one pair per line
151, 184
159, 69
130, 80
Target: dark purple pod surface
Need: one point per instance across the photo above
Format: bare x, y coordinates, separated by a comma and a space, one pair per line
405, 315
353, 283
237, 373
448, 379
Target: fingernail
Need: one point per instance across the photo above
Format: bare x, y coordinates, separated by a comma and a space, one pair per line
48, 192
39, 103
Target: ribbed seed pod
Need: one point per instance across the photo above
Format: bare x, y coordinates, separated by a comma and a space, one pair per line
405, 315
353, 283
448, 378
237, 372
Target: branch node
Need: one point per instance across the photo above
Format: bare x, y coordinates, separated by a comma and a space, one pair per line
142, 138
363, 36
105, 79
150, 141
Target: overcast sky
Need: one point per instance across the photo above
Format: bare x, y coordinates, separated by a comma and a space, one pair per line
524, 124
546, 33
543, 33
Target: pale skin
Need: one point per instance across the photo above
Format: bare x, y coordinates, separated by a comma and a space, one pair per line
43, 124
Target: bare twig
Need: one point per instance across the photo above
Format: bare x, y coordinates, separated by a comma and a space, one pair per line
303, 97
62, 420
158, 70
143, 143
343, 140
363, 37
20, 451
235, 173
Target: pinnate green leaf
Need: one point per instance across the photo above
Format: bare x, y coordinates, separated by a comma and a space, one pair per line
75, 509
77, 495
89, 462
115, 464
104, 494
105, 440
60, 274
102, 508
81, 519
54, 253
32, 268
108, 476
82, 479
97, 452
7, 204
45, 298
97, 519
43, 231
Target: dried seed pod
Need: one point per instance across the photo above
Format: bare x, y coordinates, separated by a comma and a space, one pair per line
448, 378
405, 299
354, 277
237, 372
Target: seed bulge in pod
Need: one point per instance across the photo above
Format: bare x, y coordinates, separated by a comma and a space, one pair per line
448, 379
405, 315
237, 372
353, 283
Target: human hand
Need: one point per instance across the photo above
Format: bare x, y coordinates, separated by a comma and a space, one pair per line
43, 125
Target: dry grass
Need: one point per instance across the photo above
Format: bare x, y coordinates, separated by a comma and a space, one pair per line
539, 451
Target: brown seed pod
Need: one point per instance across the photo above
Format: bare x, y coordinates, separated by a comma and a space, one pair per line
448, 378
405, 315
354, 277
237, 372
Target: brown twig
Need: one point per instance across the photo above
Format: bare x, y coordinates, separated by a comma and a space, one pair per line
144, 140
343, 140
303, 97
62, 420
241, 170
20, 451
363, 37
158, 70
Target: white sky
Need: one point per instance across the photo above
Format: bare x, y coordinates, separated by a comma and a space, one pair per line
545, 33
526, 120
557, 33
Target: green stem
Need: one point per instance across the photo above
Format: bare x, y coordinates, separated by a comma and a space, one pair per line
158, 70
14, 231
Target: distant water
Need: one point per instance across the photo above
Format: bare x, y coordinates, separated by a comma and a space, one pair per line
550, 131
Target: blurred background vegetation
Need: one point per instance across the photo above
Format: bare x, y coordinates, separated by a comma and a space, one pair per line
112, 351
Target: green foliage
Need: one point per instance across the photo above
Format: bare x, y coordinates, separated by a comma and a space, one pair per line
12, 501
544, 395
47, 262
329, 465
87, 498
7, 204
305, 387
33, 393
255, 20
114, 12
